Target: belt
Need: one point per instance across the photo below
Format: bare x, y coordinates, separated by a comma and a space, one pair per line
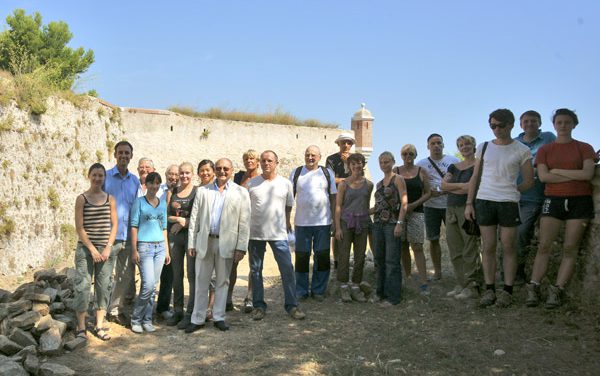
213, 236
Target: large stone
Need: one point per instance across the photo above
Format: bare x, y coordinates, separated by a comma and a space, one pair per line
53, 369
4, 295
45, 275
71, 321
26, 320
12, 369
51, 342
21, 355
40, 298
64, 294
18, 307
48, 322
22, 337
9, 347
42, 308
57, 307
32, 364
5, 326
3, 310
51, 292
22, 290
75, 344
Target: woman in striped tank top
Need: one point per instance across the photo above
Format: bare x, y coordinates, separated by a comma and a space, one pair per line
96, 224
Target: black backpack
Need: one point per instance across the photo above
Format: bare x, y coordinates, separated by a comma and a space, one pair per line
325, 172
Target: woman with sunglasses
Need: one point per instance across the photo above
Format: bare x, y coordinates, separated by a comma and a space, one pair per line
566, 166
150, 251
464, 248
418, 191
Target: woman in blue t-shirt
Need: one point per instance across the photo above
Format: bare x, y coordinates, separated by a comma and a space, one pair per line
149, 249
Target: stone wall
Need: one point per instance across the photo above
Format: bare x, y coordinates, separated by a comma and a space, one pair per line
44, 162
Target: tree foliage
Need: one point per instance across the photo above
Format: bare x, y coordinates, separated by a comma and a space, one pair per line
27, 45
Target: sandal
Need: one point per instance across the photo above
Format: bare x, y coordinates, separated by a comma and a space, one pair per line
102, 333
81, 334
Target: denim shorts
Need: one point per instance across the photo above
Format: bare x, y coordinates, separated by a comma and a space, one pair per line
493, 213
433, 222
565, 208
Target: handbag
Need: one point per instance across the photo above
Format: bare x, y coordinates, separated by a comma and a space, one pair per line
471, 227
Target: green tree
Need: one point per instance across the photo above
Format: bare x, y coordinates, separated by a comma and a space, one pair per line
28, 45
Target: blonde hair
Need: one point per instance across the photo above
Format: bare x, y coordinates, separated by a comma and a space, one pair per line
466, 137
410, 148
251, 153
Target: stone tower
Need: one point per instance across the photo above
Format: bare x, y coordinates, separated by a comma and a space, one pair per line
362, 125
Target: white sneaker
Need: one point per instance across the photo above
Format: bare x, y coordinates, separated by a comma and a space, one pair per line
149, 327
467, 293
457, 290
137, 328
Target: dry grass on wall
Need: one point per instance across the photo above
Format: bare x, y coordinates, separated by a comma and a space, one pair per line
276, 117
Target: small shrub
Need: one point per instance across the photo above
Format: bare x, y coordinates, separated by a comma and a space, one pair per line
78, 100
68, 235
205, 134
110, 145
7, 225
39, 199
69, 153
25, 176
101, 112
21, 129
5, 164
115, 116
6, 123
46, 167
77, 145
53, 198
99, 156
83, 157
92, 93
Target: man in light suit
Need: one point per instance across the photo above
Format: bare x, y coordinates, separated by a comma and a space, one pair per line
218, 234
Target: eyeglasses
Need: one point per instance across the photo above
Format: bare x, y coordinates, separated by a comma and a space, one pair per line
222, 169
498, 125
410, 154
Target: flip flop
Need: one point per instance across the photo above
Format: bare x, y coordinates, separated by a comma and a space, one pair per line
102, 333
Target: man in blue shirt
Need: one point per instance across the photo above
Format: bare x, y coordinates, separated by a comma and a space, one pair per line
123, 186
530, 204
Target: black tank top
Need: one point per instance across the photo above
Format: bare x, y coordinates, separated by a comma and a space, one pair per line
181, 206
414, 189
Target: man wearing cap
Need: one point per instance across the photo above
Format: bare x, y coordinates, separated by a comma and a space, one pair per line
337, 163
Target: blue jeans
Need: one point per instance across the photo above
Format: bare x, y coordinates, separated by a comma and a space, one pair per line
316, 238
387, 259
152, 259
283, 257
529, 211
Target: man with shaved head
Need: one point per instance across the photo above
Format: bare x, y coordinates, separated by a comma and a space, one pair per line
315, 190
218, 234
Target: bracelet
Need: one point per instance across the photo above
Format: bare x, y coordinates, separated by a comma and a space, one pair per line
399, 222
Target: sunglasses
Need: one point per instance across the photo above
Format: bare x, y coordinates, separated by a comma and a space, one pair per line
222, 169
410, 154
498, 125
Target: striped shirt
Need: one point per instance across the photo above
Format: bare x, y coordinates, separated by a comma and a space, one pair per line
96, 222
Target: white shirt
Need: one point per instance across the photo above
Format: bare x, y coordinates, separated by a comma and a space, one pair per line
435, 180
218, 200
312, 197
501, 166
268, 200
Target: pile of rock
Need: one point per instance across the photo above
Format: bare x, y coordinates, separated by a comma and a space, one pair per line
37, 321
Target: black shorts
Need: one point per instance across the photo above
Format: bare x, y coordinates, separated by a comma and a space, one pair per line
493, 213
564, 208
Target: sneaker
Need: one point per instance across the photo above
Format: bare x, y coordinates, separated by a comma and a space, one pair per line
137, 328
248, 305
297, 314
258, 314
554, 295
488, 298
345, 294
357, 295
467, 293
184, 322
533, 295
455, 291
504, 299
425, 291
366, 288
175, 319
149, 327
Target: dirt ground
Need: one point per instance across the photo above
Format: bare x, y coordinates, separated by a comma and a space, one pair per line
421, 336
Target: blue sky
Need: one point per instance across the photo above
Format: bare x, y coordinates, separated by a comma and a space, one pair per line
420, 66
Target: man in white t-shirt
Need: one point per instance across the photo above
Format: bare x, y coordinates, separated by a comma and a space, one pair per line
436, 166
271, 199
315, 190
497, 205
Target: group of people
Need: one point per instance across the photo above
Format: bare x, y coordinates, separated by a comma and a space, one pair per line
124, 220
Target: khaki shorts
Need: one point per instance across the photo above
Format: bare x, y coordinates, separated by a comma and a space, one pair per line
414, 228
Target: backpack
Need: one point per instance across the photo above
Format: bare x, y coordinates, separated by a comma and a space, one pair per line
325, 172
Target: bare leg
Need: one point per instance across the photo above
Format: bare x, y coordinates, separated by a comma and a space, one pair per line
508, 237
81, 320
549, 229
488, 239
406, 260
420, 261
435, 250
574, 230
